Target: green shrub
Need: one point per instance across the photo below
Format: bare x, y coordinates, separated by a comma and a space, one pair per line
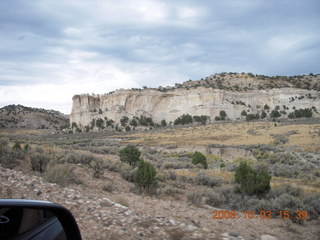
184, 119
279, 138
250, 117
285, 189
198, 157
244, 113
113, 166
221, 196
288, 202
8, 157
275, 114
145, 176
75, 158
307, 112
17, 146
124, 120
130, 154
97, 166
99, 122
39, 162
26, 147
250, 181
222, 115
63, 127
133, 123
202, 179
176, 165
145, 121
263, 115
312, 205
214, 199
124, 169
61, 175
195, 197
109, 122
258, 205
202, 119
163, 123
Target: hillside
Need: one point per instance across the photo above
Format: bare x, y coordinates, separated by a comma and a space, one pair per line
249, 81
18, 116
239, 96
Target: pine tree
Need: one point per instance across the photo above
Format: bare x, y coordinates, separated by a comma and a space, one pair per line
130, 154
223, 115
263, 115
145, 176
252, 182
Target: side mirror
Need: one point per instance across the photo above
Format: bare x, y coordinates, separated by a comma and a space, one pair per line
36, 220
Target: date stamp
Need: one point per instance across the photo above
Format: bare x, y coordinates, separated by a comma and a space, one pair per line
293, 215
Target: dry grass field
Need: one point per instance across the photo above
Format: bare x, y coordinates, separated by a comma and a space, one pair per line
298, 137
290, 152
306, 136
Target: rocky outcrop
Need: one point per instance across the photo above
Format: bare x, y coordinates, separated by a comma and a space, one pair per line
171, 104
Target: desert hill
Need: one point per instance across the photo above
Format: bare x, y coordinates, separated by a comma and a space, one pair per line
237, 95
249, 81
18, 116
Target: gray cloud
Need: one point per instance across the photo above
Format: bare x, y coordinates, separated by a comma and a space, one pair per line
103, 45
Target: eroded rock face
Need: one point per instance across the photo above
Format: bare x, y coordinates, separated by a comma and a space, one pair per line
174, 103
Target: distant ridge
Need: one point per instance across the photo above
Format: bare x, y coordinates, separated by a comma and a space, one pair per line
19, 116
248, 81
243, 82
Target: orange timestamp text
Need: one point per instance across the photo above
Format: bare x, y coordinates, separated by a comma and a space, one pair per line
265, 214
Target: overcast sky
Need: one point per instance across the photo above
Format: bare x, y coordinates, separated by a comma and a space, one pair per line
53, 49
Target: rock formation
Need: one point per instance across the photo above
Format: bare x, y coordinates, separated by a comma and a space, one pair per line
171, 104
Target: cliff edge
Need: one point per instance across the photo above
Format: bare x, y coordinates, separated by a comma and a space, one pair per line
170, 103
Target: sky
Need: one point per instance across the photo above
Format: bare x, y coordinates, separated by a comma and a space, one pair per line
51, 50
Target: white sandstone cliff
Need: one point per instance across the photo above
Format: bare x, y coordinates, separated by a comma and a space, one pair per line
174, 103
